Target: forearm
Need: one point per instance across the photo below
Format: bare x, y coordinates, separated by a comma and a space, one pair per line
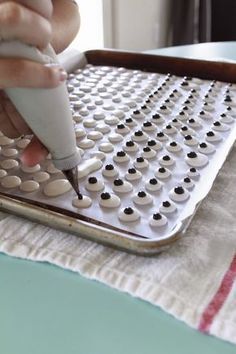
65, 23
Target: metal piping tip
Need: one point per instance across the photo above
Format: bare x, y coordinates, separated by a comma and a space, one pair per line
72, 176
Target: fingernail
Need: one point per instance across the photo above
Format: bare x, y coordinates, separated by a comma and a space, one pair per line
58, 70
63, 75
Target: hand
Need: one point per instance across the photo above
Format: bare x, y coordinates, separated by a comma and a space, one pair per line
15, 23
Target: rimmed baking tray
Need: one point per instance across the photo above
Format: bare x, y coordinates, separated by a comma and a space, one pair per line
98, 231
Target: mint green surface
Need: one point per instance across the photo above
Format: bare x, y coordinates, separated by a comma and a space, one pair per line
47, 310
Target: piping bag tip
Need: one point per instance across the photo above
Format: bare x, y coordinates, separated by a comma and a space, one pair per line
72, 177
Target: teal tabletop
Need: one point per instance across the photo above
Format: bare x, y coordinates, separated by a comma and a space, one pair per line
47, 310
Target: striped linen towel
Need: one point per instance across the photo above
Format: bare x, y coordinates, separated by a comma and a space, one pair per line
194, 280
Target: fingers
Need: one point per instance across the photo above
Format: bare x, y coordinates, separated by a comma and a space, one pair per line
34, 153
25, 73
12, 125
16, 22
43, 7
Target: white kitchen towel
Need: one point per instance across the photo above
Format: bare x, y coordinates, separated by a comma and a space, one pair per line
194, 280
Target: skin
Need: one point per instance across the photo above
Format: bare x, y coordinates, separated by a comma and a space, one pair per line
55, 22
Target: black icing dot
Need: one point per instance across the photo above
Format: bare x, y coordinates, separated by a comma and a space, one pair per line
229, 109
162, 170
129, 120
109, 167
203, 145
146, 149
152, 143
191, 120
168, 127
156, 116
182, 113
131, 171
167, 100
223, 115
202, 113
136, 112
128, 211
118, 182
129, 143
120, 126
166, 204
144, 107
184, 83
140, 159
142, 194
147, 124
187, 180
179, 190
185, 108
163, 107
187, 102
192, 155
184, 129
173, 144
175, 120
228, 99
148, 101
188, 137
160, 135
217, 124
193, 170
157, 216
92, 180
138, 133
153, 181
120, 154
166, 158
105, 196
210, 133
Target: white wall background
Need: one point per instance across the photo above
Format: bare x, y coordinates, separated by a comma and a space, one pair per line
136, 24
91, 29
123, 24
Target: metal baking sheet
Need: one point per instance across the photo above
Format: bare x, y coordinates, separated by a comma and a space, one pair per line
96, 229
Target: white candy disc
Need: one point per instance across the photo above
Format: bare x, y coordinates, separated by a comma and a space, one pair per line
29, 186
158, 220
10, 181
109, 201
57, 187
83, 203
129, 215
